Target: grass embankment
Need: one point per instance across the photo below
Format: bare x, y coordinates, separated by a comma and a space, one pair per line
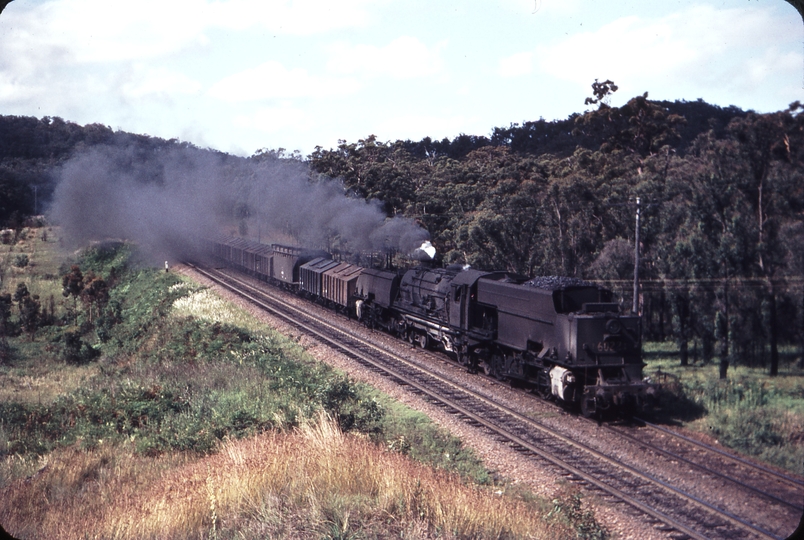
750, 412
174, 415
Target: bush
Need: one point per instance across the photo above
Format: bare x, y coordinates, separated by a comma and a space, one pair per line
75, 350
745, 414
21, 261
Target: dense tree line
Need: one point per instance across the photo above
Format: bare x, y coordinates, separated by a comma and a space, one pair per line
722, 193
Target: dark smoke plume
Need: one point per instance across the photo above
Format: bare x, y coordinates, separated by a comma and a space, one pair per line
163, 198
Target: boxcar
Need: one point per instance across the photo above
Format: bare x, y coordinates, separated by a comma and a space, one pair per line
287, 260
310, 274
339, 283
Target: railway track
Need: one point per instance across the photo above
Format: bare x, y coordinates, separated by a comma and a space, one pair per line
664, 504
779, 495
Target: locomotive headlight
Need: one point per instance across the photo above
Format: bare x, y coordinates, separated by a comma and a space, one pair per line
614, 326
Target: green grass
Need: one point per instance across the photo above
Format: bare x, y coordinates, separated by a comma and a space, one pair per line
750, 412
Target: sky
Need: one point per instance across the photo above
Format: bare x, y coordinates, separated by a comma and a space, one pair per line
243, 75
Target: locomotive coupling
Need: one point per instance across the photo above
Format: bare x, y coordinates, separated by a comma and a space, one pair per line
622, 397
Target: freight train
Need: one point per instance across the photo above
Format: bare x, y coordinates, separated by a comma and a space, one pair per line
564, 337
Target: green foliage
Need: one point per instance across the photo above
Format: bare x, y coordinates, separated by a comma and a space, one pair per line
29, 308
21, 261
165, 383
73, 282
568, 510
750, 412
109, 259
74, 350
5, 313
746, 415
413, 434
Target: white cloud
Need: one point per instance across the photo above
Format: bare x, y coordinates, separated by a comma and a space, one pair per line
276, 119
296, 17
91, 31
160, 83
419, 126
97, 31
273, 80
516, 65
404, 58
646, 54
542, 7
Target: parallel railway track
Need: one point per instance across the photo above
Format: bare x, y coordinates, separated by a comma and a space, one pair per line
664, 504
768, 486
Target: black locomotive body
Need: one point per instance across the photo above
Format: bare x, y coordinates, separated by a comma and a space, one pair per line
564, 337
568, 338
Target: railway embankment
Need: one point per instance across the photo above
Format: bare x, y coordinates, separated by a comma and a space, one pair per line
700, 484
148, 407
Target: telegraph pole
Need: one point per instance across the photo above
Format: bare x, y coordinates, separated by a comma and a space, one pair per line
635, 307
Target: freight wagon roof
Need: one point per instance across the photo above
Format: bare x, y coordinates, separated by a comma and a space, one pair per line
295, 251
286, 250
241, 243
319, 265
382, 274
246, 245
345, 271
554, 283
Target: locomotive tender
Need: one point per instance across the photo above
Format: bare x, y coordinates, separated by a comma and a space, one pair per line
563, 336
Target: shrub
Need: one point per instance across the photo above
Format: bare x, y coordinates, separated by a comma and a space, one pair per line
75, 350
21, 261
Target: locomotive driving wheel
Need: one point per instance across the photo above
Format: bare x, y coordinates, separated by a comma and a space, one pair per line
494, 367
488, 369
462, 355
589, 408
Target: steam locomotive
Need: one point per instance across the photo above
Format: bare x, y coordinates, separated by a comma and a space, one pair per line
564, 337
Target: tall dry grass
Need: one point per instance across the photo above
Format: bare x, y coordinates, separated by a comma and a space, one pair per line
314, 481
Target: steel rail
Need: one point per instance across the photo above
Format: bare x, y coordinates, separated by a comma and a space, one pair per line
704, 468
503, 433
780, 476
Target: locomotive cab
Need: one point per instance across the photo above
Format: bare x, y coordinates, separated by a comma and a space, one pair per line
607, 351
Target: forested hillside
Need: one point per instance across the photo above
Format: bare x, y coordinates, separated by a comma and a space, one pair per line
32, 151
721, 193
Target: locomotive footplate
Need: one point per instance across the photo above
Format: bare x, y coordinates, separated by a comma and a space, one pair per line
622, 396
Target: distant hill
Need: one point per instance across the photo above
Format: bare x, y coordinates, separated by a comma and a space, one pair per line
32, 149
561, 138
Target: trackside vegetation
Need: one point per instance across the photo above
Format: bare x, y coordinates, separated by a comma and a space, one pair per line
140, 405
750, 412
